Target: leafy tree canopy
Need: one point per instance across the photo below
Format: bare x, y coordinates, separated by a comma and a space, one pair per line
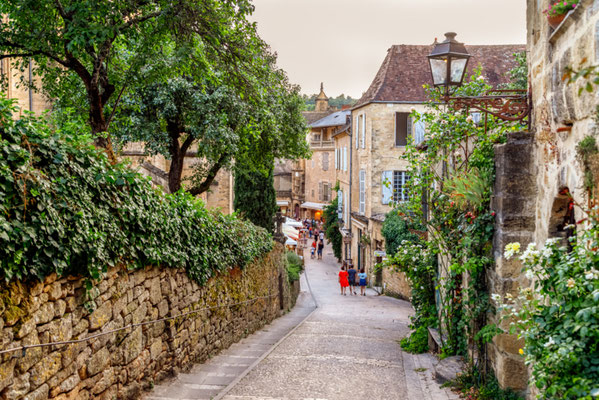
89, 53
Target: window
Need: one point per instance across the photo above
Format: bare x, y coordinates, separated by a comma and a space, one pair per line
317, 137
320, 191
362, 192
400, 191
336, 159
387, 187
403, 128
325, 192
325, 161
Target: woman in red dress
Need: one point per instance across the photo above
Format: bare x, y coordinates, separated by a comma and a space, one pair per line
343, 280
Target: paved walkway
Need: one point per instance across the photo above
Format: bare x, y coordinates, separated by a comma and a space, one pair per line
346, 349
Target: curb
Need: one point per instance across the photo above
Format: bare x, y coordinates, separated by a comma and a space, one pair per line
231, 385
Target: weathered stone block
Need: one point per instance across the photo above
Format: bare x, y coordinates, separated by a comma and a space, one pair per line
44, 314
100, 316
6, 373
18, 389
98, 362
40, 393
45, 369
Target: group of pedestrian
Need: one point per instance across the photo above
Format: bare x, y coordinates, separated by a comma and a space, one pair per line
347, 279
315, 230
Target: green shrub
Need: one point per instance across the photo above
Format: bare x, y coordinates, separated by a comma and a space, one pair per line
417, 342
64, 208
294, 266
476, 386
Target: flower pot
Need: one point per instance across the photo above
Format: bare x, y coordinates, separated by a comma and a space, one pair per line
555, 20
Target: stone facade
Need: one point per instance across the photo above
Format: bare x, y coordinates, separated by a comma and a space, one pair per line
122, 363
561, 118
27, 99
535, 169
375, 151
219, 196
283, 185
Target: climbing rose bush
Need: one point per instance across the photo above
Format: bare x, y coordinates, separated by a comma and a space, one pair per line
559, 315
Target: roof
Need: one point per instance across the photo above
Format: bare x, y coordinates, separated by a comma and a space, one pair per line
335, 119
343, 129
406, 69
313, 116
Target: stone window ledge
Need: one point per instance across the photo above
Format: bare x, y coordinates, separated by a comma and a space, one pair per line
571, 18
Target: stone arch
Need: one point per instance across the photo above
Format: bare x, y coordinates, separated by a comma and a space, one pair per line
562, 216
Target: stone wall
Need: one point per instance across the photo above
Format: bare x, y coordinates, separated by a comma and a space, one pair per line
514, 204
561, 117
121, 364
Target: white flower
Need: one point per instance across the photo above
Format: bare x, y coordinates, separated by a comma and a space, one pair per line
469, 119
496, 298
550, 342
530, 255
591, 274
529, 274
481, 78
571, 283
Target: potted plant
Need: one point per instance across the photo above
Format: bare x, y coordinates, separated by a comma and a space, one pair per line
557, 11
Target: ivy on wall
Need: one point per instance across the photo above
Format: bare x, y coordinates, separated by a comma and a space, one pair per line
64, 208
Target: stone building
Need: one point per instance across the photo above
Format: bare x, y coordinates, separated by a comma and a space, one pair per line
283, 177
16, 87
538, 171
382, 129
343, 156
320, 169
220, 195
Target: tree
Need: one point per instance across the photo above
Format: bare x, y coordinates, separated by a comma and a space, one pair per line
255, 195
203, 109
332, 225
89, 52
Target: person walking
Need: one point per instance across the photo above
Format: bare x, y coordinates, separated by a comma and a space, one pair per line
351, 272
313, 249
362, 277
343, 283
321, 236
320, 247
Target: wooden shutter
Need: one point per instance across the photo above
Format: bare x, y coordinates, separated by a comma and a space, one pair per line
409, 126
363, 133
319, 191
345, 159
336, 159
401, 129
387, 186
325, 161
362, 192
419, 129
357, 130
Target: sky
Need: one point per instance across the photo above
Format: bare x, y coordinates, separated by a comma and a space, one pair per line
343, 42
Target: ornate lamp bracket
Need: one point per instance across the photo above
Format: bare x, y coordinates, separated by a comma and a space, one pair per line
505, 104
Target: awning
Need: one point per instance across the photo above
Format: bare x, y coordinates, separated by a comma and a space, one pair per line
313, 206
290, 232
290, 242
282, 203
294, 223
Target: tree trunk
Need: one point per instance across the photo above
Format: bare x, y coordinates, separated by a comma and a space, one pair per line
98, 123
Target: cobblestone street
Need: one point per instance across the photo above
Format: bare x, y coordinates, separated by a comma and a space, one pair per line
346, 348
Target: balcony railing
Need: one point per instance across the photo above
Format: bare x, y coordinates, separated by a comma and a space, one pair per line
319, 144
283, 193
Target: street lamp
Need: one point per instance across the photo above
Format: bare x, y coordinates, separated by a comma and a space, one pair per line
449, 61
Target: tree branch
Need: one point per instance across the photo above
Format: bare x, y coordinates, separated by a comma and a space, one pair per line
196, 190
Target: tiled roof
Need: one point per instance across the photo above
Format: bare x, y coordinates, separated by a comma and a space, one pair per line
335, 119
406, 69
313, 116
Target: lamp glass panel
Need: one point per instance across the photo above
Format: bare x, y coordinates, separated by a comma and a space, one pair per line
458, 65
439, 70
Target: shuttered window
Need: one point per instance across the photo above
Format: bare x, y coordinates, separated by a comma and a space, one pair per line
357, 130
325, 192
336, 158
325, 161
345, 159
403, 128
362, 192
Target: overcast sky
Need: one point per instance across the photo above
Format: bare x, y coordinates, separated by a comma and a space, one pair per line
343, 42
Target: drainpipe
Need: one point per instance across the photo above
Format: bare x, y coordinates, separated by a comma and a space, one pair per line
351, 148
30, 90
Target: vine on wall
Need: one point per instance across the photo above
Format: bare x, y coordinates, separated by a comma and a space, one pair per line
65, 209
